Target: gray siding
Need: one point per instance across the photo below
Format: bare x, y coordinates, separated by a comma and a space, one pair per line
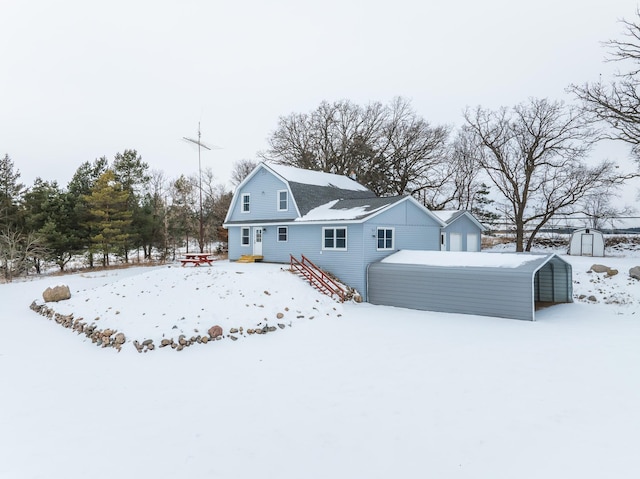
263, 188
500, 292
483, 291
464, 226
550, 282
348, 265
235, 249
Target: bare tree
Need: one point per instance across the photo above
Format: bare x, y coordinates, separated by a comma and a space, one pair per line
599, 210
241, 170
390, 149
16, 251
414, 151
618, 103
534, 153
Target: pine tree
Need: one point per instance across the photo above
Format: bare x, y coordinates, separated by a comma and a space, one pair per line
132, 173
109, 217
10, 193
481, 202
79, 189
49, 213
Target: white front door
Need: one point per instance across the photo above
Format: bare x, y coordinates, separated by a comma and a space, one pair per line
443, 242
257, 241
455, 242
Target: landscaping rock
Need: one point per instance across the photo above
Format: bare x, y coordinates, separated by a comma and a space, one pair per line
635, 272
57, 293
215, 331
612, 272
599, 268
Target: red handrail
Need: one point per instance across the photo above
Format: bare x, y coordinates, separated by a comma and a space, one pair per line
312, 272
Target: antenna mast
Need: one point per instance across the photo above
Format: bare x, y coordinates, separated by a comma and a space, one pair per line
200, 146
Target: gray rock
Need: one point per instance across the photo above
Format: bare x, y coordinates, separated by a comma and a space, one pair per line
635, 272
599, 268
57, 293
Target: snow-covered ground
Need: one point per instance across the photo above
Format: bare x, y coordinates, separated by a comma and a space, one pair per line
340, 391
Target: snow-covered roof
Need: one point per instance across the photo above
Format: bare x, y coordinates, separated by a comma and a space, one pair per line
449, 216
445, 215
462, 259
347, 209
317, 178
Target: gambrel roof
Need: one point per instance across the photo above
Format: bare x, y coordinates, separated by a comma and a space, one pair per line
319, 196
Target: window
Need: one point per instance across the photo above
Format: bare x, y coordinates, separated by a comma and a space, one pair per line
283, 200
246, 202
385, 238
334, 238
244, 235
283, 234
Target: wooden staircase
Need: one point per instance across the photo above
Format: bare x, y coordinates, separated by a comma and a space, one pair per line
319, 279
249, 258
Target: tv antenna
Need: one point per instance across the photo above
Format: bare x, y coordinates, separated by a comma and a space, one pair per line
206, 147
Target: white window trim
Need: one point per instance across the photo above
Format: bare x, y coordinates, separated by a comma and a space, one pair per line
334, 228
393, 238
245, 195
278, 234
248, 230
286, 199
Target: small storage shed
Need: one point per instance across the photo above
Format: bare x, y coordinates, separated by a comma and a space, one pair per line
507, 285
586, 242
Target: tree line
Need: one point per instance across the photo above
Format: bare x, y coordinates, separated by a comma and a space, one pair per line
532, 156
109, 209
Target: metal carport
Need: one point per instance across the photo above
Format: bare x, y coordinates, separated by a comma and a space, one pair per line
507, 285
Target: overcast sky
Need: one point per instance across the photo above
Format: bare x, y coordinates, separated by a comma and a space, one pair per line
84, 79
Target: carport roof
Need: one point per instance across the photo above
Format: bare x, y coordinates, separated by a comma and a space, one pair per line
450, 259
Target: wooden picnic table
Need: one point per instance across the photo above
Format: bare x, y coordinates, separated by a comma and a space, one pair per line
197, 259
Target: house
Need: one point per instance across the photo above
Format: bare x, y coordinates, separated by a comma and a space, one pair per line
334, 221
462, 231
504, 285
